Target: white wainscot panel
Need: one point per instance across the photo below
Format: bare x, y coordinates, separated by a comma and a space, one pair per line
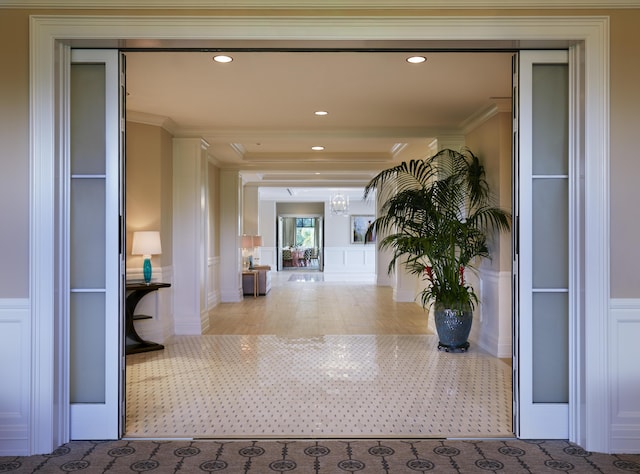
492, 327
624, 357
15, 374
351, 259
158, 305
266, 256
213, 282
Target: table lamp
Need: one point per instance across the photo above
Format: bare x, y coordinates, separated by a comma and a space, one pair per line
257, 242
146, 243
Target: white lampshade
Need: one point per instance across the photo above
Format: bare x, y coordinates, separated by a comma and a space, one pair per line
146, 243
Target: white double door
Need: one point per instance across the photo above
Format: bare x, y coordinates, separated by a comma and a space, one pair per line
543, 228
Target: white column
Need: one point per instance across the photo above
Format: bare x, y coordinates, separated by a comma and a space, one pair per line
189, 235
250, 214
230, 231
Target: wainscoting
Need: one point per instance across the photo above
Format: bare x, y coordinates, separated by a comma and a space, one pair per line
624, 357
15, 373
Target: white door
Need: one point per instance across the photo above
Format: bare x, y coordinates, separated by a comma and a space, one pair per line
543, 211
93, 245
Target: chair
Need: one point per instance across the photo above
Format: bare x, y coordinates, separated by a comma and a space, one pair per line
307, 257
313, 256
287, 258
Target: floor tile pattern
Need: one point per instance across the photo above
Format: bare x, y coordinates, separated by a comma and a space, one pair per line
387, 456
227, 386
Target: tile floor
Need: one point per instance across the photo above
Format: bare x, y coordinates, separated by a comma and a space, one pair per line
315, 385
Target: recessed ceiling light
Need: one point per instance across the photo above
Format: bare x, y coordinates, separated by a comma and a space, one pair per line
221, 58
321, 112
416, 59
317, 148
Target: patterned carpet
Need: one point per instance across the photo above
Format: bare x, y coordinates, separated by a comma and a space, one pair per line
322, 456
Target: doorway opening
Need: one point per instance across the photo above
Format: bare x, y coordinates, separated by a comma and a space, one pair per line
408, 143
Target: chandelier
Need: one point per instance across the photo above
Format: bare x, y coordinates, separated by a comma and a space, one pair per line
339, 204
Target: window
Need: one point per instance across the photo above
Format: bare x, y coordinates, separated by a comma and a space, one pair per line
305, 232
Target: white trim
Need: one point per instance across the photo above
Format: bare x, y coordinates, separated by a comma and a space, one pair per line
151, 119
322, 4
46, 30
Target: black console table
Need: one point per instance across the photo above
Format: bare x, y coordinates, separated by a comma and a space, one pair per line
133, 342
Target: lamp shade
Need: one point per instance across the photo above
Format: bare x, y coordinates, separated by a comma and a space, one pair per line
257, 241
247, 241
146, 243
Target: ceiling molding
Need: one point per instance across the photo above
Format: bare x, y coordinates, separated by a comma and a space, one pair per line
480, 117
151, 119
314, 157
320, 4
242, 135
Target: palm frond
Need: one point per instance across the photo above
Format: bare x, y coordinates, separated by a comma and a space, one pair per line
437, 213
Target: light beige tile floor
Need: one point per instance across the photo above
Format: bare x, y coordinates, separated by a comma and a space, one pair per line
321, 359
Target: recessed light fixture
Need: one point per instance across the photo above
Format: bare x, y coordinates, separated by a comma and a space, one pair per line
416, 59
221, 58
317, 148
321, 112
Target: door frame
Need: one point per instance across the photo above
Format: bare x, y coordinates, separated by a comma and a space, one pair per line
51, 36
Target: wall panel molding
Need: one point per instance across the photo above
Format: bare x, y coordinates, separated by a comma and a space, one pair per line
624, 354
15, 332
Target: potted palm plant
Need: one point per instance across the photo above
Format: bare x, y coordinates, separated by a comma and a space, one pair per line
436, 216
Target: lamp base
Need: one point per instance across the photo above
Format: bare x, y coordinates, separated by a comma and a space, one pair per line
146, 270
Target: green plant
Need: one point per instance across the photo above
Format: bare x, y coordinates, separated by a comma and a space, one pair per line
436, 217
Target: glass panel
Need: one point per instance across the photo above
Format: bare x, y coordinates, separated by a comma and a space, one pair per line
550, 119
88, 119
550, 233
87, 233
87, 348
550, 348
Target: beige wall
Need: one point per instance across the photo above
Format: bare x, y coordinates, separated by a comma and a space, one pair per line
14, 156
625, 155
491, 142
625, 166
149, 188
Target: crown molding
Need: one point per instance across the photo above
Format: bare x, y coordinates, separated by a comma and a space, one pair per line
151, 119
320, 4
480, 117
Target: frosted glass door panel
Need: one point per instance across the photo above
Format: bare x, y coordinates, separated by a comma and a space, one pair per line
87, 347
544, 256
88, 233
93, 253
550, 333
550, 119
550, 231
87, 101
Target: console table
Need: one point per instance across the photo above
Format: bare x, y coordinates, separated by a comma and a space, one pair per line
133, 342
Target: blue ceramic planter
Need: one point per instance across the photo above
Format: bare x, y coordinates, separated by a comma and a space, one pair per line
453, 326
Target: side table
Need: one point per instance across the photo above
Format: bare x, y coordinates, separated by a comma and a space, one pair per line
254, 275
133, 342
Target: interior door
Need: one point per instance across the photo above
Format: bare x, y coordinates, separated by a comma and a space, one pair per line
544, 251
93, 201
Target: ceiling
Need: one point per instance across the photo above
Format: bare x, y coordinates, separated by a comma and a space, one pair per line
257, 112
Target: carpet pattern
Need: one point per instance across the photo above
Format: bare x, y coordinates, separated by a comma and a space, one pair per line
322, 456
